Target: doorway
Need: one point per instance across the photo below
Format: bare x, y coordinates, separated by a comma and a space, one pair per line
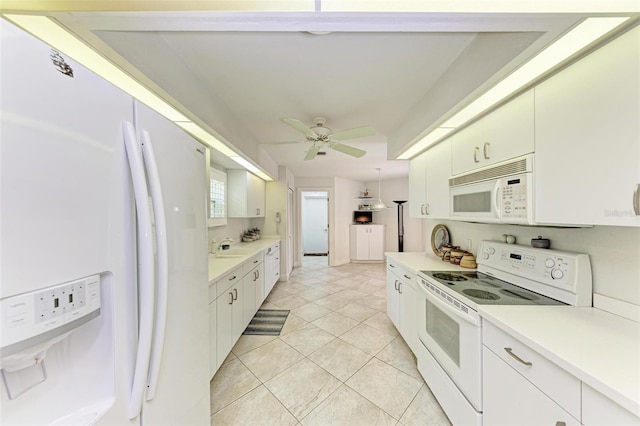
314, 211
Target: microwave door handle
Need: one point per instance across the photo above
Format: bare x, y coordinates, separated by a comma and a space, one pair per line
496, 198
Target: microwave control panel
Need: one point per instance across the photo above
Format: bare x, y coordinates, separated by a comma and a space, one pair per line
514, 197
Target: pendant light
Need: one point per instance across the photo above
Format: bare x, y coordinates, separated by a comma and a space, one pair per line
379, 205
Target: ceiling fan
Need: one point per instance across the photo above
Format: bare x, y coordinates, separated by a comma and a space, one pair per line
320, 137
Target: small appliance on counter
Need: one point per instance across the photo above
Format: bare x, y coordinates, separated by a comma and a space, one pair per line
252, 234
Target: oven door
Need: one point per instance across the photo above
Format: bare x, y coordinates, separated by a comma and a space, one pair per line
453, 337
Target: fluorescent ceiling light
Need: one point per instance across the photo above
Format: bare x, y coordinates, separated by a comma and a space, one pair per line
572, 42
206, 137
60, 39
579, 37
431, 138
264, 176
246, 164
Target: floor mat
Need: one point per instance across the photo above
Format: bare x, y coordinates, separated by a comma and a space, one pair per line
267, 322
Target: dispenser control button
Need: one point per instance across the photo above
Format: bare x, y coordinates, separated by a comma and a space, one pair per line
549, 263
557, 274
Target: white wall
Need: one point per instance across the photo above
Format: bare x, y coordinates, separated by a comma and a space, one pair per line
397, 189
614, 251
345, 193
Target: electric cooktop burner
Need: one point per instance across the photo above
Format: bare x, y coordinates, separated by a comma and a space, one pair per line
482, 289
446, 276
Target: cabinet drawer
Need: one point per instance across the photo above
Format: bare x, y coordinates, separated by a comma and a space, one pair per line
599, 410
274, 247
228, 280
402, 272
556, 383
252, 262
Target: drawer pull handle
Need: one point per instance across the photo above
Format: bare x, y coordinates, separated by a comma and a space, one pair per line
232, 278
400, 287
517, 358
235, 294
231, 298
392, 265
407, 277
636, 200
396, 285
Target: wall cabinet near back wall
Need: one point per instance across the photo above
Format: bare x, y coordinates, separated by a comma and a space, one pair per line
429, 182
246, 194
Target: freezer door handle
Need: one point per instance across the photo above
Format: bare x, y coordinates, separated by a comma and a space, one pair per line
146, 271
162, 266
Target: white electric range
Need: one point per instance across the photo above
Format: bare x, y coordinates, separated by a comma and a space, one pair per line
450, 328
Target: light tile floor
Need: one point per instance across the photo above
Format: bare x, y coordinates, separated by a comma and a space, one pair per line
338, 360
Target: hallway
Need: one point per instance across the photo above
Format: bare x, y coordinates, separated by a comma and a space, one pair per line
338, 360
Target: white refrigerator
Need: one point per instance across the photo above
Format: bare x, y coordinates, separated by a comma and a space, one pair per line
103, 251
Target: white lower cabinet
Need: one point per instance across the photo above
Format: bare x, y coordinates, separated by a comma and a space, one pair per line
228, 313
401, 302
213, 328
366, 243
522, 387
271, 267
511, 399
598, 410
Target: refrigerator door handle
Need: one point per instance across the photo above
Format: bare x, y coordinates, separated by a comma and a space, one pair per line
162, 267
146, 271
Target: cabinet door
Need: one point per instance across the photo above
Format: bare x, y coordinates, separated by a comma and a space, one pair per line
243, 304
588, 139
438, 171
246, 194
224, 326
213, 329
408, 315
258, 276
359, 242
510, 399
393, 298
376, 242
503, 134
417, 185
256, 196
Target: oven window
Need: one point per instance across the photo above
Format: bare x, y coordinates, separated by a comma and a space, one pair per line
445, 331
476, 202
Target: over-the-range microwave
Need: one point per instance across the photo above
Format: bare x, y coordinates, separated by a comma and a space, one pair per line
500, 193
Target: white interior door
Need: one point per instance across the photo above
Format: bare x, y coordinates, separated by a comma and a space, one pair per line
290, 227
315, 220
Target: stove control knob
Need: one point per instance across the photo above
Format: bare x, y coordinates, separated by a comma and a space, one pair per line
485, 255
556, 274
549, 263
492, 250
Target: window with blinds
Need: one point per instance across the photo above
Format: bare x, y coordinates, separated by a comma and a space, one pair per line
217, 198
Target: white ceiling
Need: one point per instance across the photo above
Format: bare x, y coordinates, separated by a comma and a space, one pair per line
398, 73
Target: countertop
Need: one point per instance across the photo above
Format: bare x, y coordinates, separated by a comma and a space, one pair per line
423, 261
220, 266
597, 347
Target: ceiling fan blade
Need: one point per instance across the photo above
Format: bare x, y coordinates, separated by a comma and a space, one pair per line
358, 132
349, 150
311, 154
281, 142
300, 126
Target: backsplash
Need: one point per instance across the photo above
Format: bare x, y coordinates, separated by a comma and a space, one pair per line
614, 251
234, 229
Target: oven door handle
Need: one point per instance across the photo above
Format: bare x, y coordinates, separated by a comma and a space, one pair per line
445, 307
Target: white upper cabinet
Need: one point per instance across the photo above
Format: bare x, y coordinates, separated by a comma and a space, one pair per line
587, 165
246, 194
428, 182
505, 133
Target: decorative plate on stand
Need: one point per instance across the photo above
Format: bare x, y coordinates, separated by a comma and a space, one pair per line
439, 238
